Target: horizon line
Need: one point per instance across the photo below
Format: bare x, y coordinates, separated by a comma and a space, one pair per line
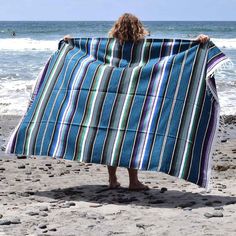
115, 20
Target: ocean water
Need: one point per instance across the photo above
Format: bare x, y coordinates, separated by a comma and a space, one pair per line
22, 56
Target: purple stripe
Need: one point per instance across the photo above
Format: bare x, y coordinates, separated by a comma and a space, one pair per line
141, 124
208, 145
151, 91
39, 83
215, 60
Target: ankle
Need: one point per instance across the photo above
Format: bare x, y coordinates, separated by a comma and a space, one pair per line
134, 182
113, 178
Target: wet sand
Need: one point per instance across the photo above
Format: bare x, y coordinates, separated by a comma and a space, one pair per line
43, 196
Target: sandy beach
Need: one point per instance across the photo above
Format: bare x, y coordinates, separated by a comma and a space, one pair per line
43, 196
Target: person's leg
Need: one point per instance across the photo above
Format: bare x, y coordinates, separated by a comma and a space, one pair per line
113, 183
134, 183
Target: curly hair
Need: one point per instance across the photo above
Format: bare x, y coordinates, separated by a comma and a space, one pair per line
128, 28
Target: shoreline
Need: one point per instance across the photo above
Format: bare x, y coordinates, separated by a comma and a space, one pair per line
45, 196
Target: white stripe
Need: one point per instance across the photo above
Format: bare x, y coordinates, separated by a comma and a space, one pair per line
68, 109
191, 122
93, 104
171, 112
49, 117
143, 151
42, 98
126, 101
92, 108
112, 52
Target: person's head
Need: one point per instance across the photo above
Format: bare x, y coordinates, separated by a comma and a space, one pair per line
128, 28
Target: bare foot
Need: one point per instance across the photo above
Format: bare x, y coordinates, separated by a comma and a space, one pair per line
138, 186
113, 183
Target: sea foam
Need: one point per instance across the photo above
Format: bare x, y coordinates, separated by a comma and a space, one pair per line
23, 44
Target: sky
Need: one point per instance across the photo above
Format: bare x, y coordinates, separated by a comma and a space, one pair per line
170, 10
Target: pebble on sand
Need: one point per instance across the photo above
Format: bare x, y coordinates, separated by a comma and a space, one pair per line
32, 213
43, 208
21, 166
42, 226
163, 190
5, 222
215, 214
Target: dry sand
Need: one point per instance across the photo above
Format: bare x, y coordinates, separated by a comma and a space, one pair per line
43, 196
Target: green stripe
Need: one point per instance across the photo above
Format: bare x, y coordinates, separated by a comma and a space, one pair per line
42, 98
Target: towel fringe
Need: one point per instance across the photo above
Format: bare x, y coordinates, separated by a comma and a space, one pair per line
225, 64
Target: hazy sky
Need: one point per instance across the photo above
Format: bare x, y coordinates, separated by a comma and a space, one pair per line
111, 9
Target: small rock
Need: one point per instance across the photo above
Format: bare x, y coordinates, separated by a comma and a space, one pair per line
68, 165
218, 208
221, 168
32, 213
218, 214
5, 222
15, 220
42, 226
141, 226
52, 229
43, 208
215, 214
163, 190
88, 164
187, 209
66, 205
24, 194
93, 216
224, 140
35, 180
1, 216
208, 215
72, 204
95, 206
21, 157
2, 169
21, 166
30, 192
43, 213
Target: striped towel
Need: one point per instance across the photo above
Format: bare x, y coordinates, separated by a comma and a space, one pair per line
150, 105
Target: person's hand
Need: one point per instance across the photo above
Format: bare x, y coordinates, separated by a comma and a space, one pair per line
67, 37
202, 38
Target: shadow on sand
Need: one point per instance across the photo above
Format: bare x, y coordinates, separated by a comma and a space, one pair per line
100, 194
